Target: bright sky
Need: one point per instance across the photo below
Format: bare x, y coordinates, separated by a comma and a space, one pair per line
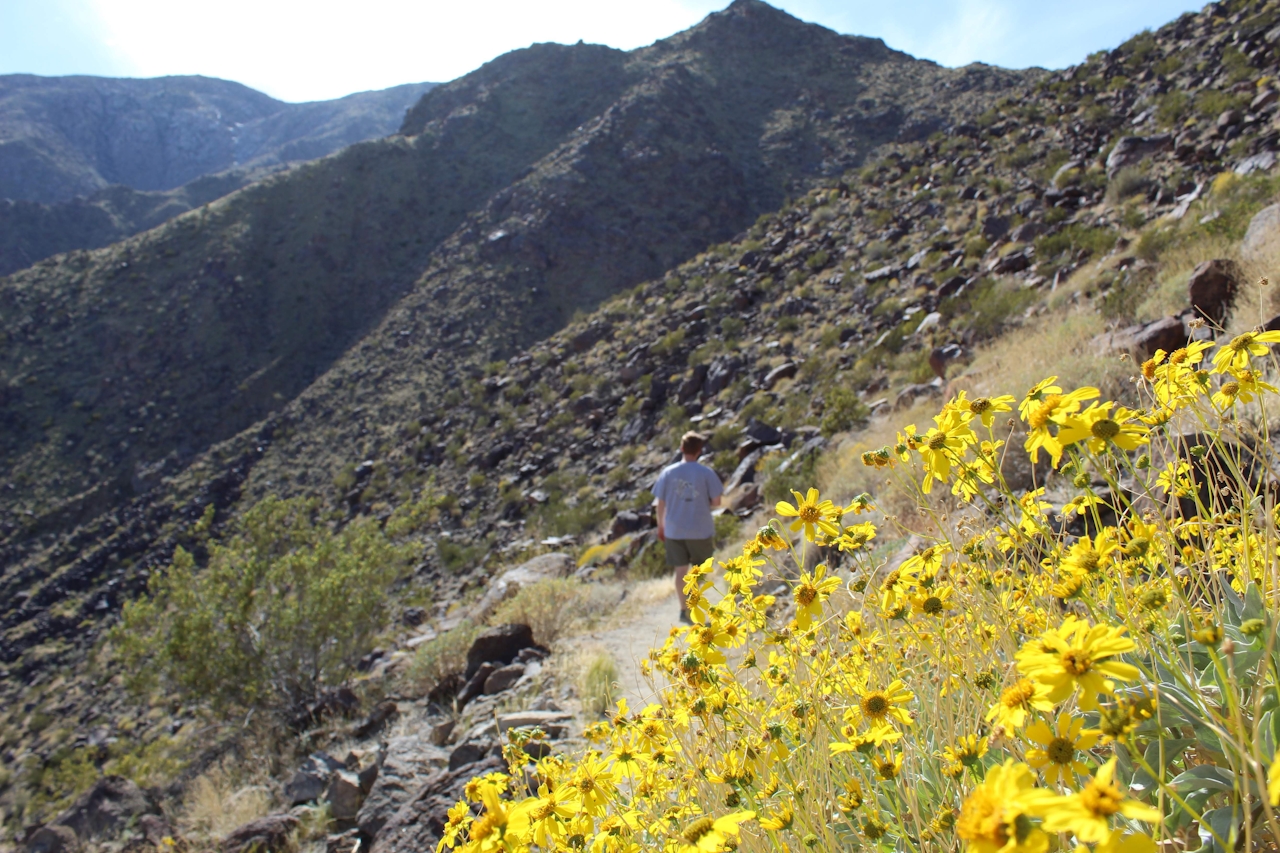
300, 50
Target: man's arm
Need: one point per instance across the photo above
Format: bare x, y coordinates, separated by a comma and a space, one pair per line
662, 517
715, 501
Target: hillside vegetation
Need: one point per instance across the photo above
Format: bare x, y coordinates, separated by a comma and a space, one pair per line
896, 239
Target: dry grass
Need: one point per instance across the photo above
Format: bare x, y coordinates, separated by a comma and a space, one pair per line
640, 598
558, 607
594, 673
220, 800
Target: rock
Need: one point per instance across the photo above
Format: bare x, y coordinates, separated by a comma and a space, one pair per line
1065, 170
742, 496
531, 654
270, 834
995, 227
626, 522
885, 273
413, 616
368, 777
762, 432
1131, 150
343, 842
498, 645
344, 795
507, 584
468, 753
930, 321
1227, 119
310, 779
1010, 263
1026, 232
383, 712
692, 383
721, 374
940, 357
155, 829
1168, 334
786, 370
554, 723
504, 678
106, 808
1262, 239
1265, 98
590, 336
584, 405
910, 393
1263, 161
952, 286
440, 732
53, 839
419, 823
407, 762
746, 470
1212, 288
475, 685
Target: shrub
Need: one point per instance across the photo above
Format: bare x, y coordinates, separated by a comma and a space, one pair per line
550, 607
283, 608
1128, 182
440, 657
843, 411
598, 684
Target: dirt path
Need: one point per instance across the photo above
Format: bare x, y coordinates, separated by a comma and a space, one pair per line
642, 622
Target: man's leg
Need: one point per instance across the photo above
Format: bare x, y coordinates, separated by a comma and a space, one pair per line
680, 571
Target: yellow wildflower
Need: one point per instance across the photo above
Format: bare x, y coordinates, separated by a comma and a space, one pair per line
1077, 655
812, 514
1055, 756
996, 816
1088, 812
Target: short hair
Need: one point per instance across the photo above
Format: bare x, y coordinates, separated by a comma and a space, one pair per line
691, 443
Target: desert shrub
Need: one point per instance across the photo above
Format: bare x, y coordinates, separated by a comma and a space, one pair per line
440, 657
284, 607
550, 607
843, 411
1128, 182
1091, 239
598, 684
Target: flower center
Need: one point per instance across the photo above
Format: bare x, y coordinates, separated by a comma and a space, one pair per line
1076, 662
1041, 414
805, 595
932, 605
875, 705
1019, 694
1241, 343
1105, 429
979, 405
1101, 800
1061, 751
937, 441
1230, 389
809, 514
697, 829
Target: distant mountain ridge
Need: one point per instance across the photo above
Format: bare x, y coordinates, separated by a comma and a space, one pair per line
62, 137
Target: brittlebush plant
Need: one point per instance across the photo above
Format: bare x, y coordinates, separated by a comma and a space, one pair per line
1008, 687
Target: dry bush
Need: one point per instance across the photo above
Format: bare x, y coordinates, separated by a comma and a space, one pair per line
221, 800
597, 680
439, 658
556, 607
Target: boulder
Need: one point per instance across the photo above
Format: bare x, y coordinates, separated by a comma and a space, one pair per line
940, 357
106, 808
407, 762
53, 839
343, 842
1262, 240
786, 370
626, 522
385, 711
311, 778
721, 373
762, 432
504, 678
270, 834
1026, 232
952, 286
440, 732
1010, 263
475, 685
1131, 150
419, 823
468, 753
1212, 288
692, 383
1168, 334
910, 393
498, 645
344, 795
746, 470
995, 227
744, 496
507, 584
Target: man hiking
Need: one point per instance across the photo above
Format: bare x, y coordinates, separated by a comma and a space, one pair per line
686, 492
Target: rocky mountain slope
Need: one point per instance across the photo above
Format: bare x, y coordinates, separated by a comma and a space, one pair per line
941, 215
62, 137
86, 161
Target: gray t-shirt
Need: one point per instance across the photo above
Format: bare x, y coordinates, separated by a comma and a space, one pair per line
688, 489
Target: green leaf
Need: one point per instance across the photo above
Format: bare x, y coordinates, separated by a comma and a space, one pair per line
1204, 777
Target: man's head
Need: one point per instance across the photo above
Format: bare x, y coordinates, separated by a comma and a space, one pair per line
691, 445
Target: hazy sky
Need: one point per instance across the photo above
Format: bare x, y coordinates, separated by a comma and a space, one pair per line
317, 49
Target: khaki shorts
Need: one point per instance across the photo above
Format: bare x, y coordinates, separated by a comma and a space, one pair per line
688, 552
